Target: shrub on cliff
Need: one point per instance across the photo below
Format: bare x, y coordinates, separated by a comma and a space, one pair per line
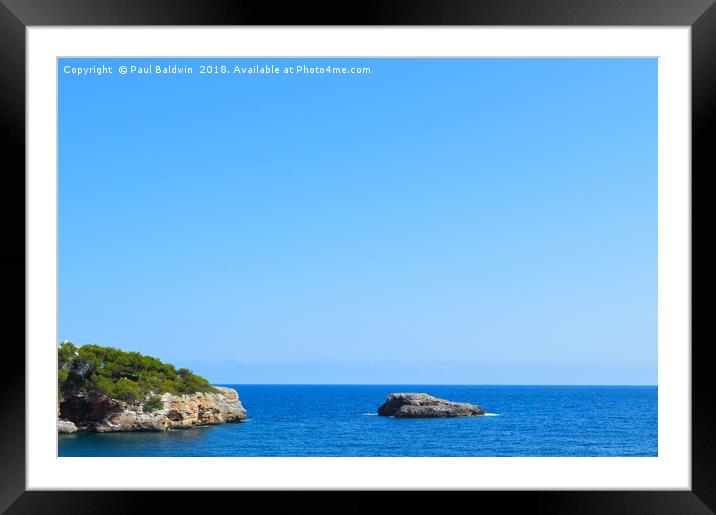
153, 404
129, 376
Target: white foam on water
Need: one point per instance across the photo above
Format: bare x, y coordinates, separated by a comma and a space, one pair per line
369, 414
491, 415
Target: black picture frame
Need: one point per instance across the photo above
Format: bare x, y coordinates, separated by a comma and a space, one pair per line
700, 15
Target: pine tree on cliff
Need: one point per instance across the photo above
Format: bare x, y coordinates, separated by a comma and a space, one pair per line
127, 376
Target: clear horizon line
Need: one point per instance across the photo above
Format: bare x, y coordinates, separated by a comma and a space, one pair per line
430, 384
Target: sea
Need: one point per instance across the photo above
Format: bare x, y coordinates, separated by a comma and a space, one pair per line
342, 420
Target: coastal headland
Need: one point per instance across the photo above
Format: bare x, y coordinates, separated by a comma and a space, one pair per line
103, 389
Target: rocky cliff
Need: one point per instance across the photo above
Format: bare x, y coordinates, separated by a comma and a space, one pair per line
102, 414
421, 405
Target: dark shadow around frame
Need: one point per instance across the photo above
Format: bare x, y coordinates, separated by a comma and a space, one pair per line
700, 15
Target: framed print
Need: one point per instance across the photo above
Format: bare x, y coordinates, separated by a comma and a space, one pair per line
419, 247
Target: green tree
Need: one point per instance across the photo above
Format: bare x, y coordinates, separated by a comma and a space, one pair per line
128, 376
127, 390
66, 352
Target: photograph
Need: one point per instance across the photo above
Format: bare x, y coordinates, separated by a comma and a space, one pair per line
357, 257
453, 249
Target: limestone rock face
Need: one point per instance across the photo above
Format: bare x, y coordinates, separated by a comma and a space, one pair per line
204, 408
421, 405
104, 415
85, 410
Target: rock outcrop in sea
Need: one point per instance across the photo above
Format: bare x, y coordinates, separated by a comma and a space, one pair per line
66, 427
102, 414
421, 405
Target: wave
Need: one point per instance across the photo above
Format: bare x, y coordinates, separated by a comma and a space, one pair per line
375, 415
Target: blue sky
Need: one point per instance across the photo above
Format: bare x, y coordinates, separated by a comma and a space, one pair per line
466, 221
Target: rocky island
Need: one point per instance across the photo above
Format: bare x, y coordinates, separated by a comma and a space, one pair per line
103, 389
421, 405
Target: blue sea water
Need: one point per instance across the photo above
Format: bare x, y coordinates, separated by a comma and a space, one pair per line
341, 420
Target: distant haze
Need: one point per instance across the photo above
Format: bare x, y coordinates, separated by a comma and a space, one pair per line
464, 221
